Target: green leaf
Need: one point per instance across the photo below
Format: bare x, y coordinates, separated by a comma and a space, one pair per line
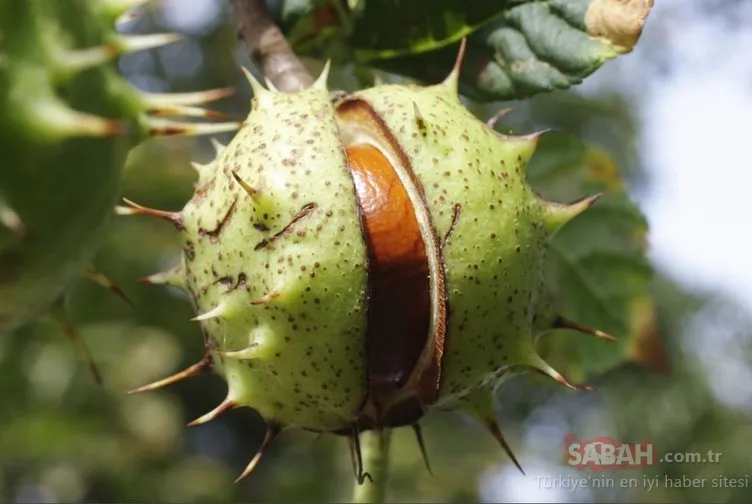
516, 48
597, 272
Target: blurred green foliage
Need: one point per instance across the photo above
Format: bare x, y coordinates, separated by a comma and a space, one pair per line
63, 439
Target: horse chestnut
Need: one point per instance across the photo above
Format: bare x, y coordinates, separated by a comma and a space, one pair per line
357, 263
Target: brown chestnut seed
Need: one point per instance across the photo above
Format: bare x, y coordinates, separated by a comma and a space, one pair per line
404, 401
399, 308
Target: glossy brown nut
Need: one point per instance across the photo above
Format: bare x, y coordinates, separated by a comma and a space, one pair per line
398, 269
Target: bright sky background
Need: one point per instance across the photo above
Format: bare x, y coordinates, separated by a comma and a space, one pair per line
696, 127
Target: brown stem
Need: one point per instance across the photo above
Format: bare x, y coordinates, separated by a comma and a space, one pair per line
269, 48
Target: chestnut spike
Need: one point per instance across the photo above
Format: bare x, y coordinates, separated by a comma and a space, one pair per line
224, 406
159, 127
522, 147
536, 135
62, 121
270, 85
356, 455
196, 369
452, 80
556, 214
58, 313
218, 311
81, 59
100, 279
544, 368
174, 277
250, 191
258, 89
563, 323
201, 169
133, 43
183, 110
418, 116
493, 428
267, 298
259, 335
248, 353
418, 430
218, 146
272, 431
192, 98
479, 404
135, 209
127, 17
530, 141
491, 122
323, 78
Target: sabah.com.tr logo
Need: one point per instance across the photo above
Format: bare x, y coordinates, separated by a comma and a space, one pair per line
608, 454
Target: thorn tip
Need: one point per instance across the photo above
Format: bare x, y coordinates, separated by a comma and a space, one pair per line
58, 312
491, 122
171, 277
99, 278
258, 89
496, 433
266, 298
196, 369
218, 146
224, 406
422, 445
216, 312
272, 431
544, 368
563, 323
191, 98
159, 127
183, 110
556, 215
135, 209
452, 80
63, 121
270, 85
132, 43
248, 353
250, 191
323, 78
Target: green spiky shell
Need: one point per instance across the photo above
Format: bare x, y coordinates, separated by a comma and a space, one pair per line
63, 199
281, 266
275, 256
493, 227
67, 123
492, 259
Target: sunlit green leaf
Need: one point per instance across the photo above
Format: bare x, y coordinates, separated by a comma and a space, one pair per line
516, 48
596, 266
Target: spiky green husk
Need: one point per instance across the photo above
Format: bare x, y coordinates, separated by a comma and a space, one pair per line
274, 256
67, 122
473, 182
288, 320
